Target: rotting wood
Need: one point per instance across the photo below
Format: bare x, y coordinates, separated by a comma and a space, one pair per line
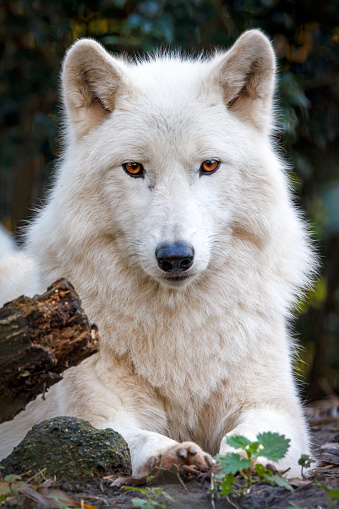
39, 339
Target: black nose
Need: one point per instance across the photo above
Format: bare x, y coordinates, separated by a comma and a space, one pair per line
177, 257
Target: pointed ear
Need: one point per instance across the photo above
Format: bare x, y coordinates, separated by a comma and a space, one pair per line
246, 74
91, 78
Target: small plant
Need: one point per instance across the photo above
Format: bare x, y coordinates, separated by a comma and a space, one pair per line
305, 461
152, 495
271, 446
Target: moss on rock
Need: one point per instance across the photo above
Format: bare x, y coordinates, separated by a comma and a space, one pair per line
71, 449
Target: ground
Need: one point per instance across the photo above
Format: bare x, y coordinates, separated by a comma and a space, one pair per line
98, 491
196, 492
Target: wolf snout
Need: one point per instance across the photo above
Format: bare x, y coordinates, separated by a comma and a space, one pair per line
174, 258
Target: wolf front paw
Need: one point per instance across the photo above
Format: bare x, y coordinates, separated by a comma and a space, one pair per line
183, 456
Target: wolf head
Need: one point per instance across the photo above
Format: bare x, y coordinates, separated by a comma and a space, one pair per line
172, 149
169, 172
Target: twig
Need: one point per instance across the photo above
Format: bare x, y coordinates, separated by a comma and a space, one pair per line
212, 490
232, 503
180, 480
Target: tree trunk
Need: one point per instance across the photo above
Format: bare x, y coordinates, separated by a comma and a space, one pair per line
39, 339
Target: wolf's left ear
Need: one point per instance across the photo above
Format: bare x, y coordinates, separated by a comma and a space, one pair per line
246, 74
91, 78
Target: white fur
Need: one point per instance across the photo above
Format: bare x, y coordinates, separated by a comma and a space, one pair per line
209, 356
7, 244
17, 270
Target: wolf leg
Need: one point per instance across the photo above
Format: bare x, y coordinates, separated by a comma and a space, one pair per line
152, 452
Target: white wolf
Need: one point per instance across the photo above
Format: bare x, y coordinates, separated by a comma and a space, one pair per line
172, 216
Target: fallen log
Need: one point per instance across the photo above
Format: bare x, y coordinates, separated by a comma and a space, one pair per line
39, 339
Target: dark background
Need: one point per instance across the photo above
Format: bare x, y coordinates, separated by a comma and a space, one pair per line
34, 36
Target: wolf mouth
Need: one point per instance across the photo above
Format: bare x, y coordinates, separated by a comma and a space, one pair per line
178, 278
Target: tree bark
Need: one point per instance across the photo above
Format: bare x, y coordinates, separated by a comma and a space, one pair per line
39, 339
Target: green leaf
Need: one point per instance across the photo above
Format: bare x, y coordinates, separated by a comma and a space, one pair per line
238, 441
252, 448
132, 488
11, 478
321, 485
232, 463
167, 496
262, 472
139, 502
279, 480
274, 446
305, 460
333, 495
227, 485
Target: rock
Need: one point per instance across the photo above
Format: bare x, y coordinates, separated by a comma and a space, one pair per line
72, 450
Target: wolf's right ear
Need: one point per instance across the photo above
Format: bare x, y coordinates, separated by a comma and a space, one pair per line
90, 80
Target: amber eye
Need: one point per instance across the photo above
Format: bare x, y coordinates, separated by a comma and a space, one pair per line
209, 166
134, 169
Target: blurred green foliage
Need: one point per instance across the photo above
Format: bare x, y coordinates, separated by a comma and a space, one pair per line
35, 34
